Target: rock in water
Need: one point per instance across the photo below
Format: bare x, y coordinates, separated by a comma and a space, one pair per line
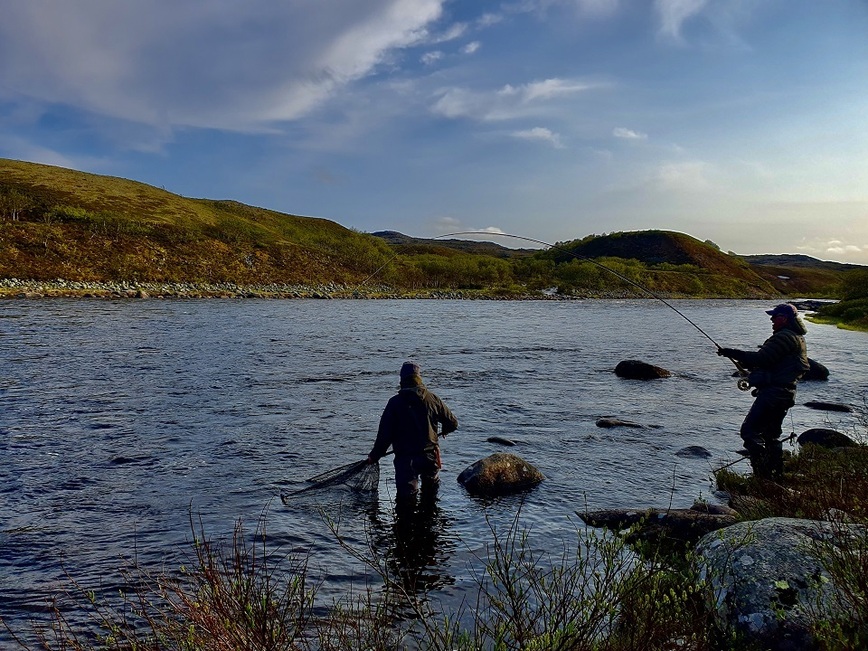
499, 474
500, 440
633, 369
828, 406
693, 452
616, 422
816, 371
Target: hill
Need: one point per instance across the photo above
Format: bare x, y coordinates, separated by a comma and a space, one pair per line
796, 275
673, 262
57, 223
61, 223
406, 243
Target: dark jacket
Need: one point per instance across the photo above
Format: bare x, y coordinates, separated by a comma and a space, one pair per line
409, 423
780, 361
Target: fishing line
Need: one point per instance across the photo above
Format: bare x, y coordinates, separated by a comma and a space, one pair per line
593, 262
742, 383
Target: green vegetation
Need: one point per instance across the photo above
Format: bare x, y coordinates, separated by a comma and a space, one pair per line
852, 311
57, 223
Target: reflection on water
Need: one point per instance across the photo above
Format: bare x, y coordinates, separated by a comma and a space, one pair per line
415, 544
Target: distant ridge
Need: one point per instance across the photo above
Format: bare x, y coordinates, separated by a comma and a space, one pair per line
797, 260
468, 246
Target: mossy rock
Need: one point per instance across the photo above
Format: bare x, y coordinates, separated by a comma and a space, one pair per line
500, 474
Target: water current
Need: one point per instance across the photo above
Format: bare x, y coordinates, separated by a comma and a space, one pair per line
119, 421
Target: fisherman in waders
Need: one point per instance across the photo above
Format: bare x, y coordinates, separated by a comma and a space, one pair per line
409, 424
774, 371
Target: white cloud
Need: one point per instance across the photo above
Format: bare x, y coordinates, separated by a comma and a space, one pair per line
430, 58
238, 66
687, 176
471, 48
672, 15
540, 134
506, 103
629, 134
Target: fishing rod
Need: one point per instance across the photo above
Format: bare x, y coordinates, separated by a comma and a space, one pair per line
742, 383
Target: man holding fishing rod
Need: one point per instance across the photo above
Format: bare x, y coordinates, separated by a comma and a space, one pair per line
409, 424
775, 368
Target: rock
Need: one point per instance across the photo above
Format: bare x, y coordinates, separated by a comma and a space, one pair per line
499, 474
615, 422
816, 372
659, 525
828, 406
827, 438
500, 440
766, 581
633, 369
693, 452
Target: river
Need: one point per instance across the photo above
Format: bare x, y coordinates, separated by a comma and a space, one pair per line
119, 420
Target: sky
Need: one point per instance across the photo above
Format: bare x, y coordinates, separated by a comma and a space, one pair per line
743, 122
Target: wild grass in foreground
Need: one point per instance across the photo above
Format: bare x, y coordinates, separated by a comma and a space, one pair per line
596, 594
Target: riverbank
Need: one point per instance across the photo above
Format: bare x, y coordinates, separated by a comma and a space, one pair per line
59, 288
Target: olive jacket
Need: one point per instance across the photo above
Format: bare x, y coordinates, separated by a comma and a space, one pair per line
409, 423
780, 361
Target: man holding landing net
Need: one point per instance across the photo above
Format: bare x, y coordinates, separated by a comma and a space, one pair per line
409, 425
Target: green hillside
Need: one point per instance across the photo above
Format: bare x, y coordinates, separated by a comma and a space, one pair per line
60, 223
57, 223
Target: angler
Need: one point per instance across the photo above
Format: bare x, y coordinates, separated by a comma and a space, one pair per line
774, 371
409, 425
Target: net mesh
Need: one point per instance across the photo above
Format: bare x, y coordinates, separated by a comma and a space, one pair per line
359, 476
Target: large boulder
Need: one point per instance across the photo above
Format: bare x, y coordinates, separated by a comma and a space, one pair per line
826, 438
767, 579
633, 369
499, 474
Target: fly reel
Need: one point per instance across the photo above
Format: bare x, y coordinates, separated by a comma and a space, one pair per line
743, 384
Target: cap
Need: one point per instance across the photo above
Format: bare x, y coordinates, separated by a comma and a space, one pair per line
409, 369
786, 309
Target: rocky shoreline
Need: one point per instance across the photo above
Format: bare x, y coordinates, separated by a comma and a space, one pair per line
59, 288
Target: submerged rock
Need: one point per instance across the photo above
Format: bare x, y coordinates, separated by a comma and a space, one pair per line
693, 452
633, 369
616, 422
499, 474
500, 440
828, 406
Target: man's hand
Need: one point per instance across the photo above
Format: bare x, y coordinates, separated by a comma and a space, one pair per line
726, 352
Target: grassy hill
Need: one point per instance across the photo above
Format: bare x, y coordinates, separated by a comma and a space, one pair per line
57, 223
60, 223
795, 275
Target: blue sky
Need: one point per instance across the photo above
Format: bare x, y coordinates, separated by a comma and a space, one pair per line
740, 121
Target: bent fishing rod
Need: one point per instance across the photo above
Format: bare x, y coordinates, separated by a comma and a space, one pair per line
742, 381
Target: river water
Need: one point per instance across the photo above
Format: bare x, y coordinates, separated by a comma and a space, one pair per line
119, 420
